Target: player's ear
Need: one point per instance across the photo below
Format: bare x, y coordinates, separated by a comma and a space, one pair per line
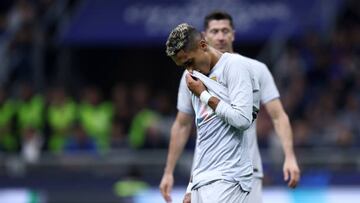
203, 44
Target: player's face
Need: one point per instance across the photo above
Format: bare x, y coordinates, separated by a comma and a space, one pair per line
197, 59
220, 34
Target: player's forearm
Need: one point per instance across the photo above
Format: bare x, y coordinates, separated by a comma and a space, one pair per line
179, 137
283, 130
229, 114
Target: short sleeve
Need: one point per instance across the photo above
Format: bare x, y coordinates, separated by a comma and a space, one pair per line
268, 88
184, 97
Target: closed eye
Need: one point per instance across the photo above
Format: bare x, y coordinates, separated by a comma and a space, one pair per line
187, 63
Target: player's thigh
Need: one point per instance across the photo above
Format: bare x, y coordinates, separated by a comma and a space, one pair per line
255, 195
220, 192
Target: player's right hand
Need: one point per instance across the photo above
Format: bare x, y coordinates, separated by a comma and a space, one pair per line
166, 185
291, 171
194, 85
187, 198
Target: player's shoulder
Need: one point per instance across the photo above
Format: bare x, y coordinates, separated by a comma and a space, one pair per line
234, 61
257, 67
233, 57
183, 79
251, 61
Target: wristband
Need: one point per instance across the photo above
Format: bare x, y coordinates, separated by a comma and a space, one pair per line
205, 97
188, 189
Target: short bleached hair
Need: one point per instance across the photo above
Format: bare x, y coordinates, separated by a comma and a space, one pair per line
181, 37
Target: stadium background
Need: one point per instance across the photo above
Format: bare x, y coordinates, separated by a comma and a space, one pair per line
88, 96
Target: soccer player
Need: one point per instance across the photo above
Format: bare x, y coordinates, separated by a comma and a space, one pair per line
219, 32
224, 112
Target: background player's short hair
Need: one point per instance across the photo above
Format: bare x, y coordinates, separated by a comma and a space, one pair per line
183, 36
218, 15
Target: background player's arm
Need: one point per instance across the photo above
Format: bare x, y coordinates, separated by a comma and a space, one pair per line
283, 130
270, 98
180, 132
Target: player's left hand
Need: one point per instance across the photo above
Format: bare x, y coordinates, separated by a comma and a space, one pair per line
195, 85
291, 172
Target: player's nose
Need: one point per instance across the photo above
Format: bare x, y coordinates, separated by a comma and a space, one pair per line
220, 36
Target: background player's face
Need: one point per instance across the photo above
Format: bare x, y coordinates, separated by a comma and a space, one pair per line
220, 34
197, 59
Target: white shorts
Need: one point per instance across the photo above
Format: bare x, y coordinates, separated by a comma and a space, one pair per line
255, 195
220, 191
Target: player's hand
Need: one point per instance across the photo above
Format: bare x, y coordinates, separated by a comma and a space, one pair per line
187, 198
291, 172
166, 185
195, 85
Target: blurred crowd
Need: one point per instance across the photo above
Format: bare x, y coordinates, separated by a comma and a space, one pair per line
27, 29
318, 76
37, 117
57, 122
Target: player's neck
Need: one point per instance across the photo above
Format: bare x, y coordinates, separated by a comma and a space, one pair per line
215, 56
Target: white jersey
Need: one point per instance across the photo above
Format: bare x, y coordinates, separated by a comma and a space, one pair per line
268, 92
222, 149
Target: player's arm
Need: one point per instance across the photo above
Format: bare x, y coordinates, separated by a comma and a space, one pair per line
180, 132
239, 112
270, 98
283, 130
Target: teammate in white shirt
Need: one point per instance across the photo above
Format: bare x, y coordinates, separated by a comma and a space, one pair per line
219, 32
224, 110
